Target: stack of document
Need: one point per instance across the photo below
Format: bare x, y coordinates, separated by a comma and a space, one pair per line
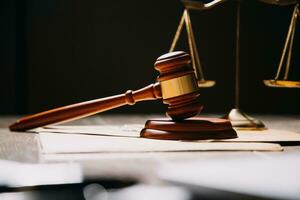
126, 138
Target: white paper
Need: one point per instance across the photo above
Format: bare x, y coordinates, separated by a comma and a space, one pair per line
133, 130
52, 143
269, 135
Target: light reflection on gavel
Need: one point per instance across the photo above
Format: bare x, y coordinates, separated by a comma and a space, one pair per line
176, 86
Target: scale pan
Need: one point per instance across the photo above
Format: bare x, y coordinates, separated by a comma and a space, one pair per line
282, 84
206, 83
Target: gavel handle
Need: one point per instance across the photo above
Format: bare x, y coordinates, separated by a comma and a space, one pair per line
84, 109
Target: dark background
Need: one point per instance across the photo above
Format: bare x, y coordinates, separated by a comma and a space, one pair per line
57, 52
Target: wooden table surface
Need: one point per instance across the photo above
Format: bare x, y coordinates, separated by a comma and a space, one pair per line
23, 147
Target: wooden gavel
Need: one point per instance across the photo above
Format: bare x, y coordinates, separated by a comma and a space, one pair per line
176, 85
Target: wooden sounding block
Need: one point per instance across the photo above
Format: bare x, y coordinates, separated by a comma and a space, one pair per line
191, 129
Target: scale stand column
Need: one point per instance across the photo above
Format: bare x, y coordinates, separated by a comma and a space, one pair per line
238, 118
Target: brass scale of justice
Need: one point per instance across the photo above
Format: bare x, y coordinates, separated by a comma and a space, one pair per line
178, 86
238, 118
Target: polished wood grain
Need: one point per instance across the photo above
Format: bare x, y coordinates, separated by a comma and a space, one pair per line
171, 66
84, 109
198, 128
174, 65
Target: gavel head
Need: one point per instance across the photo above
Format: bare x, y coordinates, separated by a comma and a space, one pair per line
178, 85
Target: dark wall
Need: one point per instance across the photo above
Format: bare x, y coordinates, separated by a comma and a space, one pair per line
58, 52
7, 57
